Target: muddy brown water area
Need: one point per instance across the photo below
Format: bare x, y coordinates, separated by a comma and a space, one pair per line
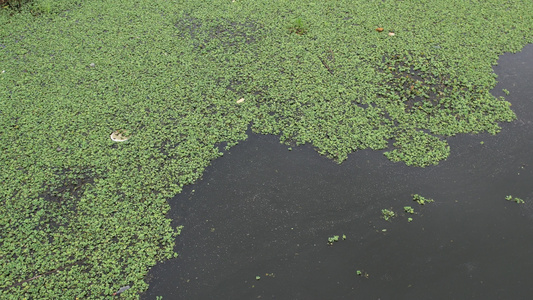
262, 210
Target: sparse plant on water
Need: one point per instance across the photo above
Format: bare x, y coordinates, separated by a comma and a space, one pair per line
409, 209
362, 273
333, 239
387, 214
422, 200
514, 199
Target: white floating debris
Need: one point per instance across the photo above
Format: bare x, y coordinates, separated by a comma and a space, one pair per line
92, 65
391, 33
119, 136
240, 100
121, 290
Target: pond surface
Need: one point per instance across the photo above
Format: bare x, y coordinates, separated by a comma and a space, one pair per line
262, 210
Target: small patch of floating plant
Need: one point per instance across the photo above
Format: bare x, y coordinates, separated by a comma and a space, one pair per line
335, 238
362, 273
387, 214
120, 135
422, 200
298, 26
514, 199
409, 209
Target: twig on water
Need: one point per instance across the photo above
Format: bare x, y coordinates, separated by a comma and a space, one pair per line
326, 65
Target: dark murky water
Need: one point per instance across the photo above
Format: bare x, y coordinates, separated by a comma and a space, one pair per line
262, 209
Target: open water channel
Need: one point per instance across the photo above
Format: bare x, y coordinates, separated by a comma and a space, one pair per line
261, 210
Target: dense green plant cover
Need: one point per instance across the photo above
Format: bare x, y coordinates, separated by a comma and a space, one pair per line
82, 216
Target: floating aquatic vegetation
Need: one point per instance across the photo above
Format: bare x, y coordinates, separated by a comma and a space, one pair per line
362, 273
409, 209
387, 214
514, 199
172, 76
422, 200
333, 239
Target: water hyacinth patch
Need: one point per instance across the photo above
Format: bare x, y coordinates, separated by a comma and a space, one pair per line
84, 215
409, 209
387, 214
333, 239
362, 273
422, 200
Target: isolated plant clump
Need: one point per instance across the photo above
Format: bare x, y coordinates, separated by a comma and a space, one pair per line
514, 199
387, 214
422, 200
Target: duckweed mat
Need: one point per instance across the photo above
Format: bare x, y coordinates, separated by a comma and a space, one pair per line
83, 215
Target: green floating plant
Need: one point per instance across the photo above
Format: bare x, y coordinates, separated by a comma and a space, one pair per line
333, 239
514, 199
387, 214
422, 200
82, 206
362, 273
409, 209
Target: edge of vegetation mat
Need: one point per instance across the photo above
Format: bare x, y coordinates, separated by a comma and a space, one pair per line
83, 215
